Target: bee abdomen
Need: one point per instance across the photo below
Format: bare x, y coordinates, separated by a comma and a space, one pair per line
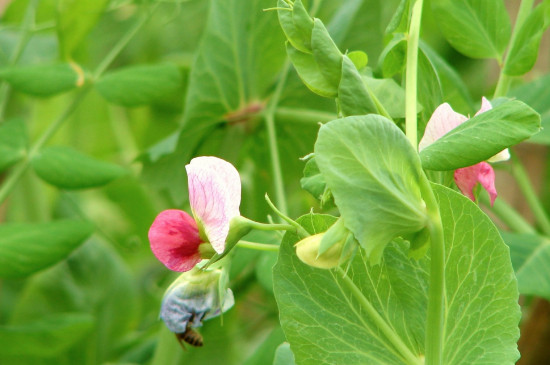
191, 337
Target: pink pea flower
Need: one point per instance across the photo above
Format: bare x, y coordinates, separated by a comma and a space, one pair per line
443, 120
214, 196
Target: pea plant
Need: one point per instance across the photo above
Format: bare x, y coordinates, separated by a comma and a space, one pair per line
271, 182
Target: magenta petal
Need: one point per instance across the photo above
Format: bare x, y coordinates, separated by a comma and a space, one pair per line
466, 179
443, 120
215, 196
175, 240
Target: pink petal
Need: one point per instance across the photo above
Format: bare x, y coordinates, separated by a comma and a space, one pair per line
466, 179
175, 240
485, 106
443, 120
215, 196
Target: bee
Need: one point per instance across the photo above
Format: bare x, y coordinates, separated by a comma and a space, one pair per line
190, 336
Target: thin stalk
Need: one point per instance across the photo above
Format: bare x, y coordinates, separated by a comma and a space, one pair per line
504, 81
508, 215
299, 229
411, 74
20, 169
123, 42
272, 140
529, 192
258, 246
271, 227
436, 292
380, 322
28, 24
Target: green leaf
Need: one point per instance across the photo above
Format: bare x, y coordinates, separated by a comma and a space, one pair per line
478, 29
75, 19
236, 63
368, 162
525, 49
399, 23
390, 95
313, 182
26, 248
482, 137
295, 35
482, 314
326, 54
93, 280
453, 89
13, 142
44, 80
310, 73
284, 355
69, 169
140, 85
359, 59
392, 58
531, 259
47, 337
429, 87
537, 95
353, 97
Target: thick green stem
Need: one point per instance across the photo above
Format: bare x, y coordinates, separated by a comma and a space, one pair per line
504, 81
436, 293
258, 246
529, 192
507, 215
28, 24
411, 74
380, 322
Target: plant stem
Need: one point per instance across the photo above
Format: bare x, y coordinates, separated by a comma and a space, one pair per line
436, 293
380, 322
28, 24
299, 229
412, 73
271, 227
504, 81
272, 139
508, 215
258, 246
529, 192
20, 169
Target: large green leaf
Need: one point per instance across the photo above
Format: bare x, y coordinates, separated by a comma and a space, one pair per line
325, 324
478, 29
44, 80
75, 18
536, 94
26, 248
482, 137
140, 85
531, 259
236, 62
13, 142
368, 162
46, 337
525, 49
69, 169
93, 280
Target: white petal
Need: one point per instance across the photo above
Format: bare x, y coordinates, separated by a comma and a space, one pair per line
443, 120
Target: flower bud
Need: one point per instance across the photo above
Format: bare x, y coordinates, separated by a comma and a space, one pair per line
308, 252
194, 297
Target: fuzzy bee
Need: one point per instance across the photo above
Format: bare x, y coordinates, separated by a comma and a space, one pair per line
190, 336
